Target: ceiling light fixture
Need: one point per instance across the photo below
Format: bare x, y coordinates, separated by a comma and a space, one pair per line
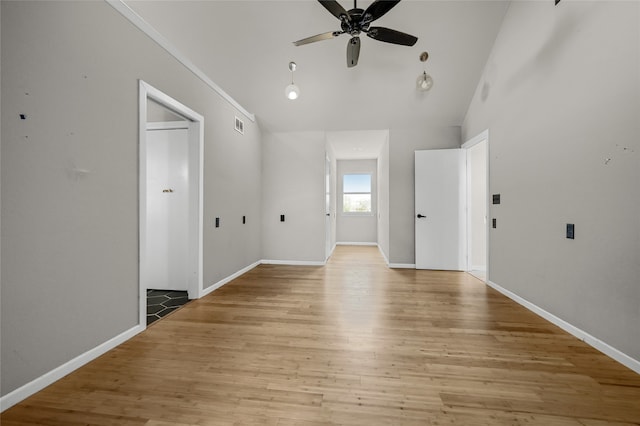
292, 91
424, 81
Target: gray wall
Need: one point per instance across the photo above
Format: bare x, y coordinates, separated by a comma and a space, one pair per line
158, 113
69, 241
357, 228
293, 184
403, 142
560, 96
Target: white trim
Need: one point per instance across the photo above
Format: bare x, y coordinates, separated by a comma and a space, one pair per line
402, 265
36, 385
476, 140
229, 278
167, 125
356, 243
293, 262
592, 341
196, 185
146, 28
482, 136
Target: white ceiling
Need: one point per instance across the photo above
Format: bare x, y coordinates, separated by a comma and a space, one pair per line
357, 144
245, 47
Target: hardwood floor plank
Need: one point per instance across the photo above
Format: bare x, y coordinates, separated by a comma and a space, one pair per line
351, 343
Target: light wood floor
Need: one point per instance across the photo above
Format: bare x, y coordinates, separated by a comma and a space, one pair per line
351, 343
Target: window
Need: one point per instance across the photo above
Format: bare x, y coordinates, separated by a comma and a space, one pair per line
356, 193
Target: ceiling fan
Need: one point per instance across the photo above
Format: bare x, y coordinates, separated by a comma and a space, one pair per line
356, 21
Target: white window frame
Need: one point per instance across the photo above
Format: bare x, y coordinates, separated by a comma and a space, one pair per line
371, 211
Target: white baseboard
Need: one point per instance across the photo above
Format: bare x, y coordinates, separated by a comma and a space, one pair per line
402, 265
229, 278
356, 243
36, 385
293, 262
598, 344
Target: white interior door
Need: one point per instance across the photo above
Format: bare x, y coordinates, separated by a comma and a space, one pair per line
439, 204
167, 209
327, 208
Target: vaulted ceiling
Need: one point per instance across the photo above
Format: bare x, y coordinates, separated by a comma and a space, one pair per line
245, 47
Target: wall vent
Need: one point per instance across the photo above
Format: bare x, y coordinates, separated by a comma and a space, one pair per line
239, 126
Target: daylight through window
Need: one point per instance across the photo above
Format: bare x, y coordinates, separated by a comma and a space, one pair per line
356, 193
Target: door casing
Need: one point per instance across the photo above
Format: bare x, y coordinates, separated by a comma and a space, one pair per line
480, 138
196, 174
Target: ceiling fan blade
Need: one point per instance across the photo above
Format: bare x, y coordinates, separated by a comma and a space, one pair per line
377, 9
391, 36
334, 7
319, 37
353, 52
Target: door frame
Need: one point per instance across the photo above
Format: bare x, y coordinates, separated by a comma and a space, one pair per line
196, 182
328, 250
483, 136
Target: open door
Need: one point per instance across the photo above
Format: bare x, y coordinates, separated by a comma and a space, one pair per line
440, 241
327, 209
168, 206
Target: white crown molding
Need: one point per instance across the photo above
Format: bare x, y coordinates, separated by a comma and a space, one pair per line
146, 28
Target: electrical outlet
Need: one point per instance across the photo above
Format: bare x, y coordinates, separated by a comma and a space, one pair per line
571, 231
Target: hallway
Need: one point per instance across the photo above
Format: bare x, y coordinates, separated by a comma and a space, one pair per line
353, 342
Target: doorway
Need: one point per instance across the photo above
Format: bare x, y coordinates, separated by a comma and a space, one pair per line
170, 200
327, 209
477, 164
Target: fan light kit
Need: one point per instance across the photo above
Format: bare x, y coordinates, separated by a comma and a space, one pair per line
356, 21
424, 81
292, 91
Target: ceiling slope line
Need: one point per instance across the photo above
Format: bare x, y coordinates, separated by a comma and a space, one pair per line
145, 27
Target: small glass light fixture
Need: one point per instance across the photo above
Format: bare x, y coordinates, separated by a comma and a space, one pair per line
424, 81
292, 91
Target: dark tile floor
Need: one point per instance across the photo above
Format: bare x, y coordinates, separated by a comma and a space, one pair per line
163, 302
